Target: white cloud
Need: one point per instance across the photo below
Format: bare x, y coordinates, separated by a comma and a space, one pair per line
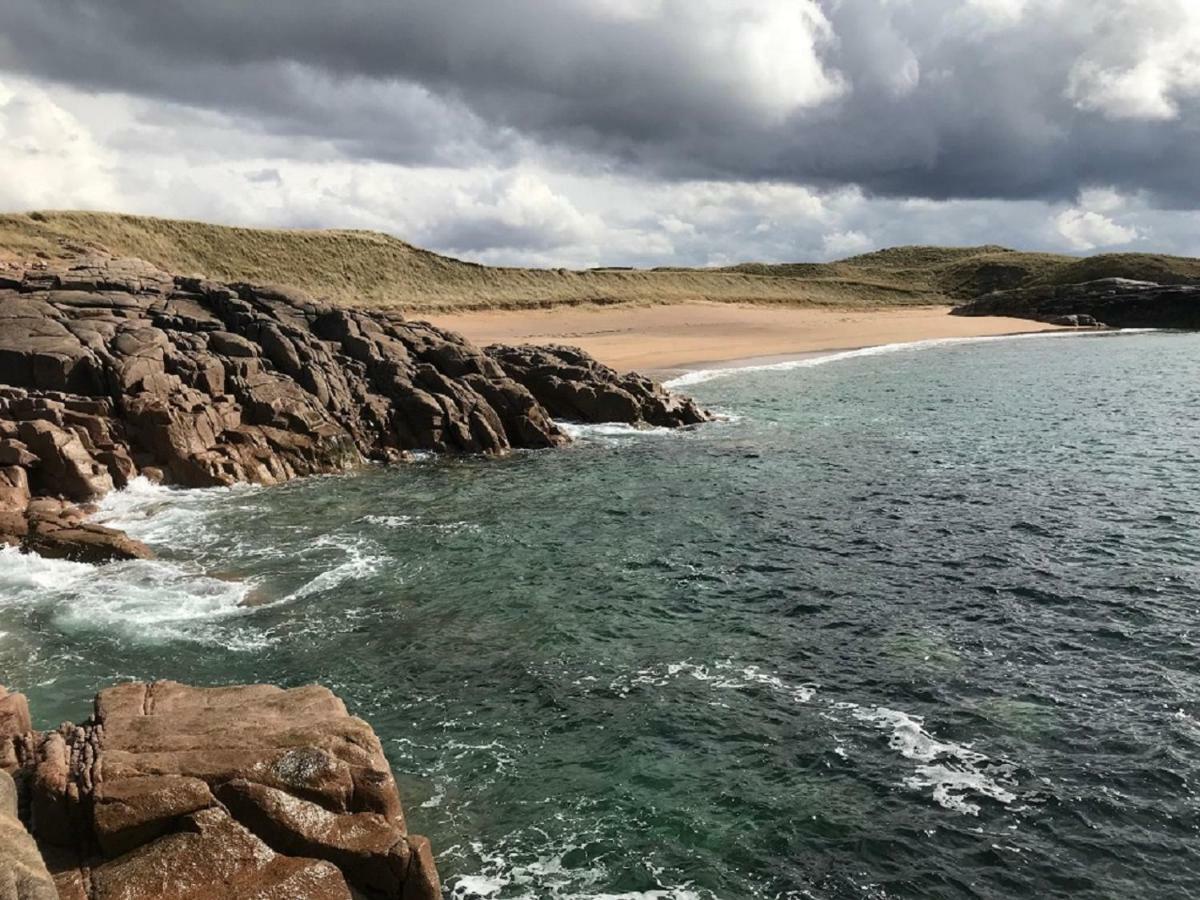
62, 149
1087, 230
48, 157
840, 244
1142, 59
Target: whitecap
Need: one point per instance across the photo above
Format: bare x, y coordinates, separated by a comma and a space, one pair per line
952, 785
953, 771
362, 559
167, 516
146, 600
542, 871
721, 675
404, 521
609, 432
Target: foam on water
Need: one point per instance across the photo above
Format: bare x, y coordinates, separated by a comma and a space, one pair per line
611, 432
404, 521
165, 516
361, 558
145, 600
529, 866
954, 771
702, 375
722, 675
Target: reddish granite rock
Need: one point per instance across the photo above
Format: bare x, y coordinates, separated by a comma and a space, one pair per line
209, 856
23, 874
15, 726
247, 791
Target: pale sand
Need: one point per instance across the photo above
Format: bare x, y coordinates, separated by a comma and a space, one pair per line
671, 338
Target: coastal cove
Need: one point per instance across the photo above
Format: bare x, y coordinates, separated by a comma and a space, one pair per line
904, 623
663, 340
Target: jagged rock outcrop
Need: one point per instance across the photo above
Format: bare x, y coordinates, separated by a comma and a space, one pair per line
572, 386
111, 368
1116, 302
171, 791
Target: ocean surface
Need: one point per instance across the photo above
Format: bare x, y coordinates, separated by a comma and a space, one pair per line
922, 622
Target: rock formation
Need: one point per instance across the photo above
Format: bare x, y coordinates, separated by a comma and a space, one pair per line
572, 386
111, 368
1116, 302
190, 793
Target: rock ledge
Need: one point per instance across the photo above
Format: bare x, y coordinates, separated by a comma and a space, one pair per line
171, 791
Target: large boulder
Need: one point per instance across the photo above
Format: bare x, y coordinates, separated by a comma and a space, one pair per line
171, 791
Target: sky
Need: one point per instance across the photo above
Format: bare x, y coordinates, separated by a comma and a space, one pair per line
618, 132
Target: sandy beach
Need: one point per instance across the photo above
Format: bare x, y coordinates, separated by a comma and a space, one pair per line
670, 338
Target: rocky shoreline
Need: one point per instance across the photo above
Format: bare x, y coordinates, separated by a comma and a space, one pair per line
1112, 302
111, 368
170, 792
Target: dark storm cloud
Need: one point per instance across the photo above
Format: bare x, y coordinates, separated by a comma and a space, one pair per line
937, 99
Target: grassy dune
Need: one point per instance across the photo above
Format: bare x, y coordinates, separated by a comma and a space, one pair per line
370, 268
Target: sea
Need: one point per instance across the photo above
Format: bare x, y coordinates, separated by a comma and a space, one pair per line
918, 621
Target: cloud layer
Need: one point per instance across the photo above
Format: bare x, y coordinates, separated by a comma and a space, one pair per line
623, 131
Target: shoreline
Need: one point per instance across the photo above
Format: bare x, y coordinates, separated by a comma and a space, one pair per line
669, 340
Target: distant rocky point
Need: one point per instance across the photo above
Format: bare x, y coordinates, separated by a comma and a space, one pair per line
1116, 302
171, 792
111, 368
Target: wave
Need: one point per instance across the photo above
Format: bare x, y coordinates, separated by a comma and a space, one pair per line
148, 601
699, 376
406, 521
526, 866
168, 516
610, 431
362, 558
954, 771
723, 675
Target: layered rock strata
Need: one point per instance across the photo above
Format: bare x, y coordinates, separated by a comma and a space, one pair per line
111, 368
186, 793
1116, 302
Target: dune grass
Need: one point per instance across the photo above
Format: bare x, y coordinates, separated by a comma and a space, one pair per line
370, 268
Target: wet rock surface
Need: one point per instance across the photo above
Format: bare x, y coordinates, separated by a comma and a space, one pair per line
171, 791
111, 368
1115, 302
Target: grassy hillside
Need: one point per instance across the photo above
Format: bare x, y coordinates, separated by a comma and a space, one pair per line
376, 269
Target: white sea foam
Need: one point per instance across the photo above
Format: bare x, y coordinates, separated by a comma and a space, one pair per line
611, 431
525, 874
149, 600
361, 559
952, 785
165, 516
701, 375
722, 675
954, 771
403, 521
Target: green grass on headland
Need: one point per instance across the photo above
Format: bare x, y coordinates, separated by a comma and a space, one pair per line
370, 268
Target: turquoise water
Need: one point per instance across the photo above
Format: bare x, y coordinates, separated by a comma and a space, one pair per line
913, 624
